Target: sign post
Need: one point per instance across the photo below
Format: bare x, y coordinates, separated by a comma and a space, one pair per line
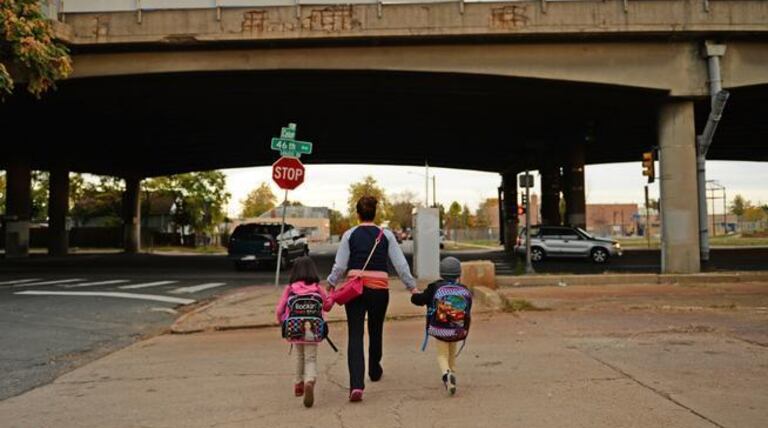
288, 173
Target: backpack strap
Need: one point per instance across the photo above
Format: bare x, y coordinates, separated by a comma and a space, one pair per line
426, 339
430, 311
330, 342
463, 343
376, 244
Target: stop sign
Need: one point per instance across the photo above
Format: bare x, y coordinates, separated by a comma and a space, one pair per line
288, 173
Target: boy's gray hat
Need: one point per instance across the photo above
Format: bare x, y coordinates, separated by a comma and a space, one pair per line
450, 267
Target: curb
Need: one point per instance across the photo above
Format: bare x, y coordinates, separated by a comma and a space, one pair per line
629, 279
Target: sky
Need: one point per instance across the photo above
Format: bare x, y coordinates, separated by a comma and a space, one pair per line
328, 185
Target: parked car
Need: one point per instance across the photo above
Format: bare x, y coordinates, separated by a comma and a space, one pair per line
254, 244
560, 241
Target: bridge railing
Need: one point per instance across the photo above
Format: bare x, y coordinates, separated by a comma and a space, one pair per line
56, 7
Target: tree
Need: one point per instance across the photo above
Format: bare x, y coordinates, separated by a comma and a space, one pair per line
102, 199
483, 215
258, 201
2, 193
367, 187
40, 185
338, 223
27, 42
466, 217
754, 214
401, 210
739, 205
454, 219
199, 198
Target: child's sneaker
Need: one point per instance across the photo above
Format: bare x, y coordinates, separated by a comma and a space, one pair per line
309, 393
298, 389
449, 381
356, 395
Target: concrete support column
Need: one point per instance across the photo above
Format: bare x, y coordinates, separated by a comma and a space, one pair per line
132, 215
550, 195
679, 204
573, 191
509, 191
58, 208
18, 209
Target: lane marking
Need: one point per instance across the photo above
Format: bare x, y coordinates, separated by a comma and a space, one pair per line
145, 285
19, 281
196, 288
91, 284
165, 310
153, 297
61, 281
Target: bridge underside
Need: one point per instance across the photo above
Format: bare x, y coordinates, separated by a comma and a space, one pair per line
168, 123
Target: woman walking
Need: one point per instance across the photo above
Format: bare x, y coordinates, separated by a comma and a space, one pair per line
357, 246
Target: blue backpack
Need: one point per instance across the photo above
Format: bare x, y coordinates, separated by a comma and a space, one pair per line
449, 313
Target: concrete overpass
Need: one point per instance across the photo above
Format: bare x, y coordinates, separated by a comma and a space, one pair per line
186, 85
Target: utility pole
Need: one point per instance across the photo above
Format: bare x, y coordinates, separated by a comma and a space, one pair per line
426, 185
528, 183
434, 191
647, 219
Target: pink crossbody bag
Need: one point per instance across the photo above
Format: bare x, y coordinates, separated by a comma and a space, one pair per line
353, 287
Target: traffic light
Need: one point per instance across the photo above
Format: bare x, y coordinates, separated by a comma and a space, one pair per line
520, 210
648, 168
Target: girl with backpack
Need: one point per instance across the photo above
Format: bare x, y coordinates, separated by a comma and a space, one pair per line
448, 317
300, 312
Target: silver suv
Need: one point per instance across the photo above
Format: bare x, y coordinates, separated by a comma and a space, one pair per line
560, 241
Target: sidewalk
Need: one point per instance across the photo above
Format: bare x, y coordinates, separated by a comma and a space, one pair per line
577, 365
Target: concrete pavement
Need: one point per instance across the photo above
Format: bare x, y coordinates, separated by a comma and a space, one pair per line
624, 364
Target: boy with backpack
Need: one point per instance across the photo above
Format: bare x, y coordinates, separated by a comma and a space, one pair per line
300, 312
449, 304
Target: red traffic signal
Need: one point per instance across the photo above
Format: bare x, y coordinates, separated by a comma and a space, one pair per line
648, 166
520, 210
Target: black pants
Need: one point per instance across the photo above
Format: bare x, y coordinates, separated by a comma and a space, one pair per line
375, 303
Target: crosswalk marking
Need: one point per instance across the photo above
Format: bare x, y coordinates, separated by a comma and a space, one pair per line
60, 281
146, 284
91, 284
196, 288
152, 297
19, 281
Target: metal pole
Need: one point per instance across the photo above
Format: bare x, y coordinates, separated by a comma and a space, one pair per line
528, 265
426, 185
725, 214
434, 191
280, 244
714, 228
647, 219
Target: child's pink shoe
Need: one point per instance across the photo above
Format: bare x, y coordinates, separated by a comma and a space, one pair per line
298, 389
356, 395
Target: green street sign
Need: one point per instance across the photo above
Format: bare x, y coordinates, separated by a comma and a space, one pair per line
288, 146
291, 148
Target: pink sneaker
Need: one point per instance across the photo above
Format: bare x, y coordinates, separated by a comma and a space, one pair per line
298, 389
356, 395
